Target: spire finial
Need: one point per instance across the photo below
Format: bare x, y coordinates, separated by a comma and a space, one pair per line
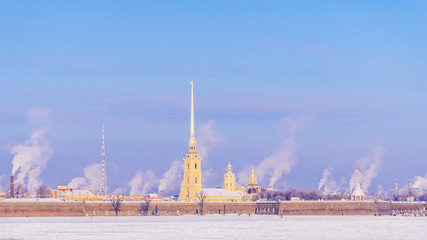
192, 135
357, 171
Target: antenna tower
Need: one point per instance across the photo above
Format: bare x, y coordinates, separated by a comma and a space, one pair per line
104, 180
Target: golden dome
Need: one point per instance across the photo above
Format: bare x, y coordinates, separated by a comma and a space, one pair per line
192, 141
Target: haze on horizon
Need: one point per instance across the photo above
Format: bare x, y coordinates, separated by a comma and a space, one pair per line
320, 84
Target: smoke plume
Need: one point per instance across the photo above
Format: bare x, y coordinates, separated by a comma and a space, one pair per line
420, 182
77, 182
92, 178
142, 182
30, 159
279, 163
380, 190
369, 167
207, 138
328, 184
1, 179
171, 178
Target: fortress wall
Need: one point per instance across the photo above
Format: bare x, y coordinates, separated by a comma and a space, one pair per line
392, 208
41, 209
327, 208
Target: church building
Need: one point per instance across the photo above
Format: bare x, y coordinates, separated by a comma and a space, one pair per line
191, 185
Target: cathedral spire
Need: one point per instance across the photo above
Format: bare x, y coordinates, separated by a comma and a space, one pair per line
192, 112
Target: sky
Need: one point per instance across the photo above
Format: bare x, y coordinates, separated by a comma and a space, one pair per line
293, 88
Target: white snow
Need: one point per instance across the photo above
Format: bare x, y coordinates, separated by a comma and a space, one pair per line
216, 227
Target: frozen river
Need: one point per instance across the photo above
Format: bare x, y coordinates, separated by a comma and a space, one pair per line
215, 227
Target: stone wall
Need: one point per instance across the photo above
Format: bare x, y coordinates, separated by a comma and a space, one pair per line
327, 208
41, 209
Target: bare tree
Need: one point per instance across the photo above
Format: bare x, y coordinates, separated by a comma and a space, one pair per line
43, 191
145, 205
116, 204
202, 195
19, 189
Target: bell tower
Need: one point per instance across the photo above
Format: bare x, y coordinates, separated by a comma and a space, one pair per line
192, 182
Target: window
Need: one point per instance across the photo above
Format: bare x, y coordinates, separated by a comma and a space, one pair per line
188, 166
188, 180
195, 166
195, 156
195, 180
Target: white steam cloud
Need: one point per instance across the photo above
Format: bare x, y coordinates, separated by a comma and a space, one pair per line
171, 178
92, 178
279, 163
77, 182
369, 167
420, 182
1, 179
328, 184
207, 138
30, 159
142, 182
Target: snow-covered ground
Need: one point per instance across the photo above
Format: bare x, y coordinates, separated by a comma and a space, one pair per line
216, 227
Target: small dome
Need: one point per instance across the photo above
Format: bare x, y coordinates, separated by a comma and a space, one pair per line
192, 141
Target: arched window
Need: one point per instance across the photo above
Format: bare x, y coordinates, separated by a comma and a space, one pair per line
195, 166
195, 180
188, 166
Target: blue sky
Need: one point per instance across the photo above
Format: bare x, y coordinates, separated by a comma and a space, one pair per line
351, 75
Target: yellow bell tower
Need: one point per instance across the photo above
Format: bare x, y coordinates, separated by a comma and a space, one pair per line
252, 178
192, 182
229, 179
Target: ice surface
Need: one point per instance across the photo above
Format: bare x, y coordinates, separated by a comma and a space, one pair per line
216, 227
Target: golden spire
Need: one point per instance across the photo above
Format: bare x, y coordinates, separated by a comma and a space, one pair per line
192, 135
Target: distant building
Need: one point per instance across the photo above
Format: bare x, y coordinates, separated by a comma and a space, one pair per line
358, 194
229, 179
253, 186
66, 194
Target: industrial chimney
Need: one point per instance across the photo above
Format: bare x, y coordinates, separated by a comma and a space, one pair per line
11, 187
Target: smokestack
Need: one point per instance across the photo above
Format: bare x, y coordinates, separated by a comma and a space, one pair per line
11, 187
